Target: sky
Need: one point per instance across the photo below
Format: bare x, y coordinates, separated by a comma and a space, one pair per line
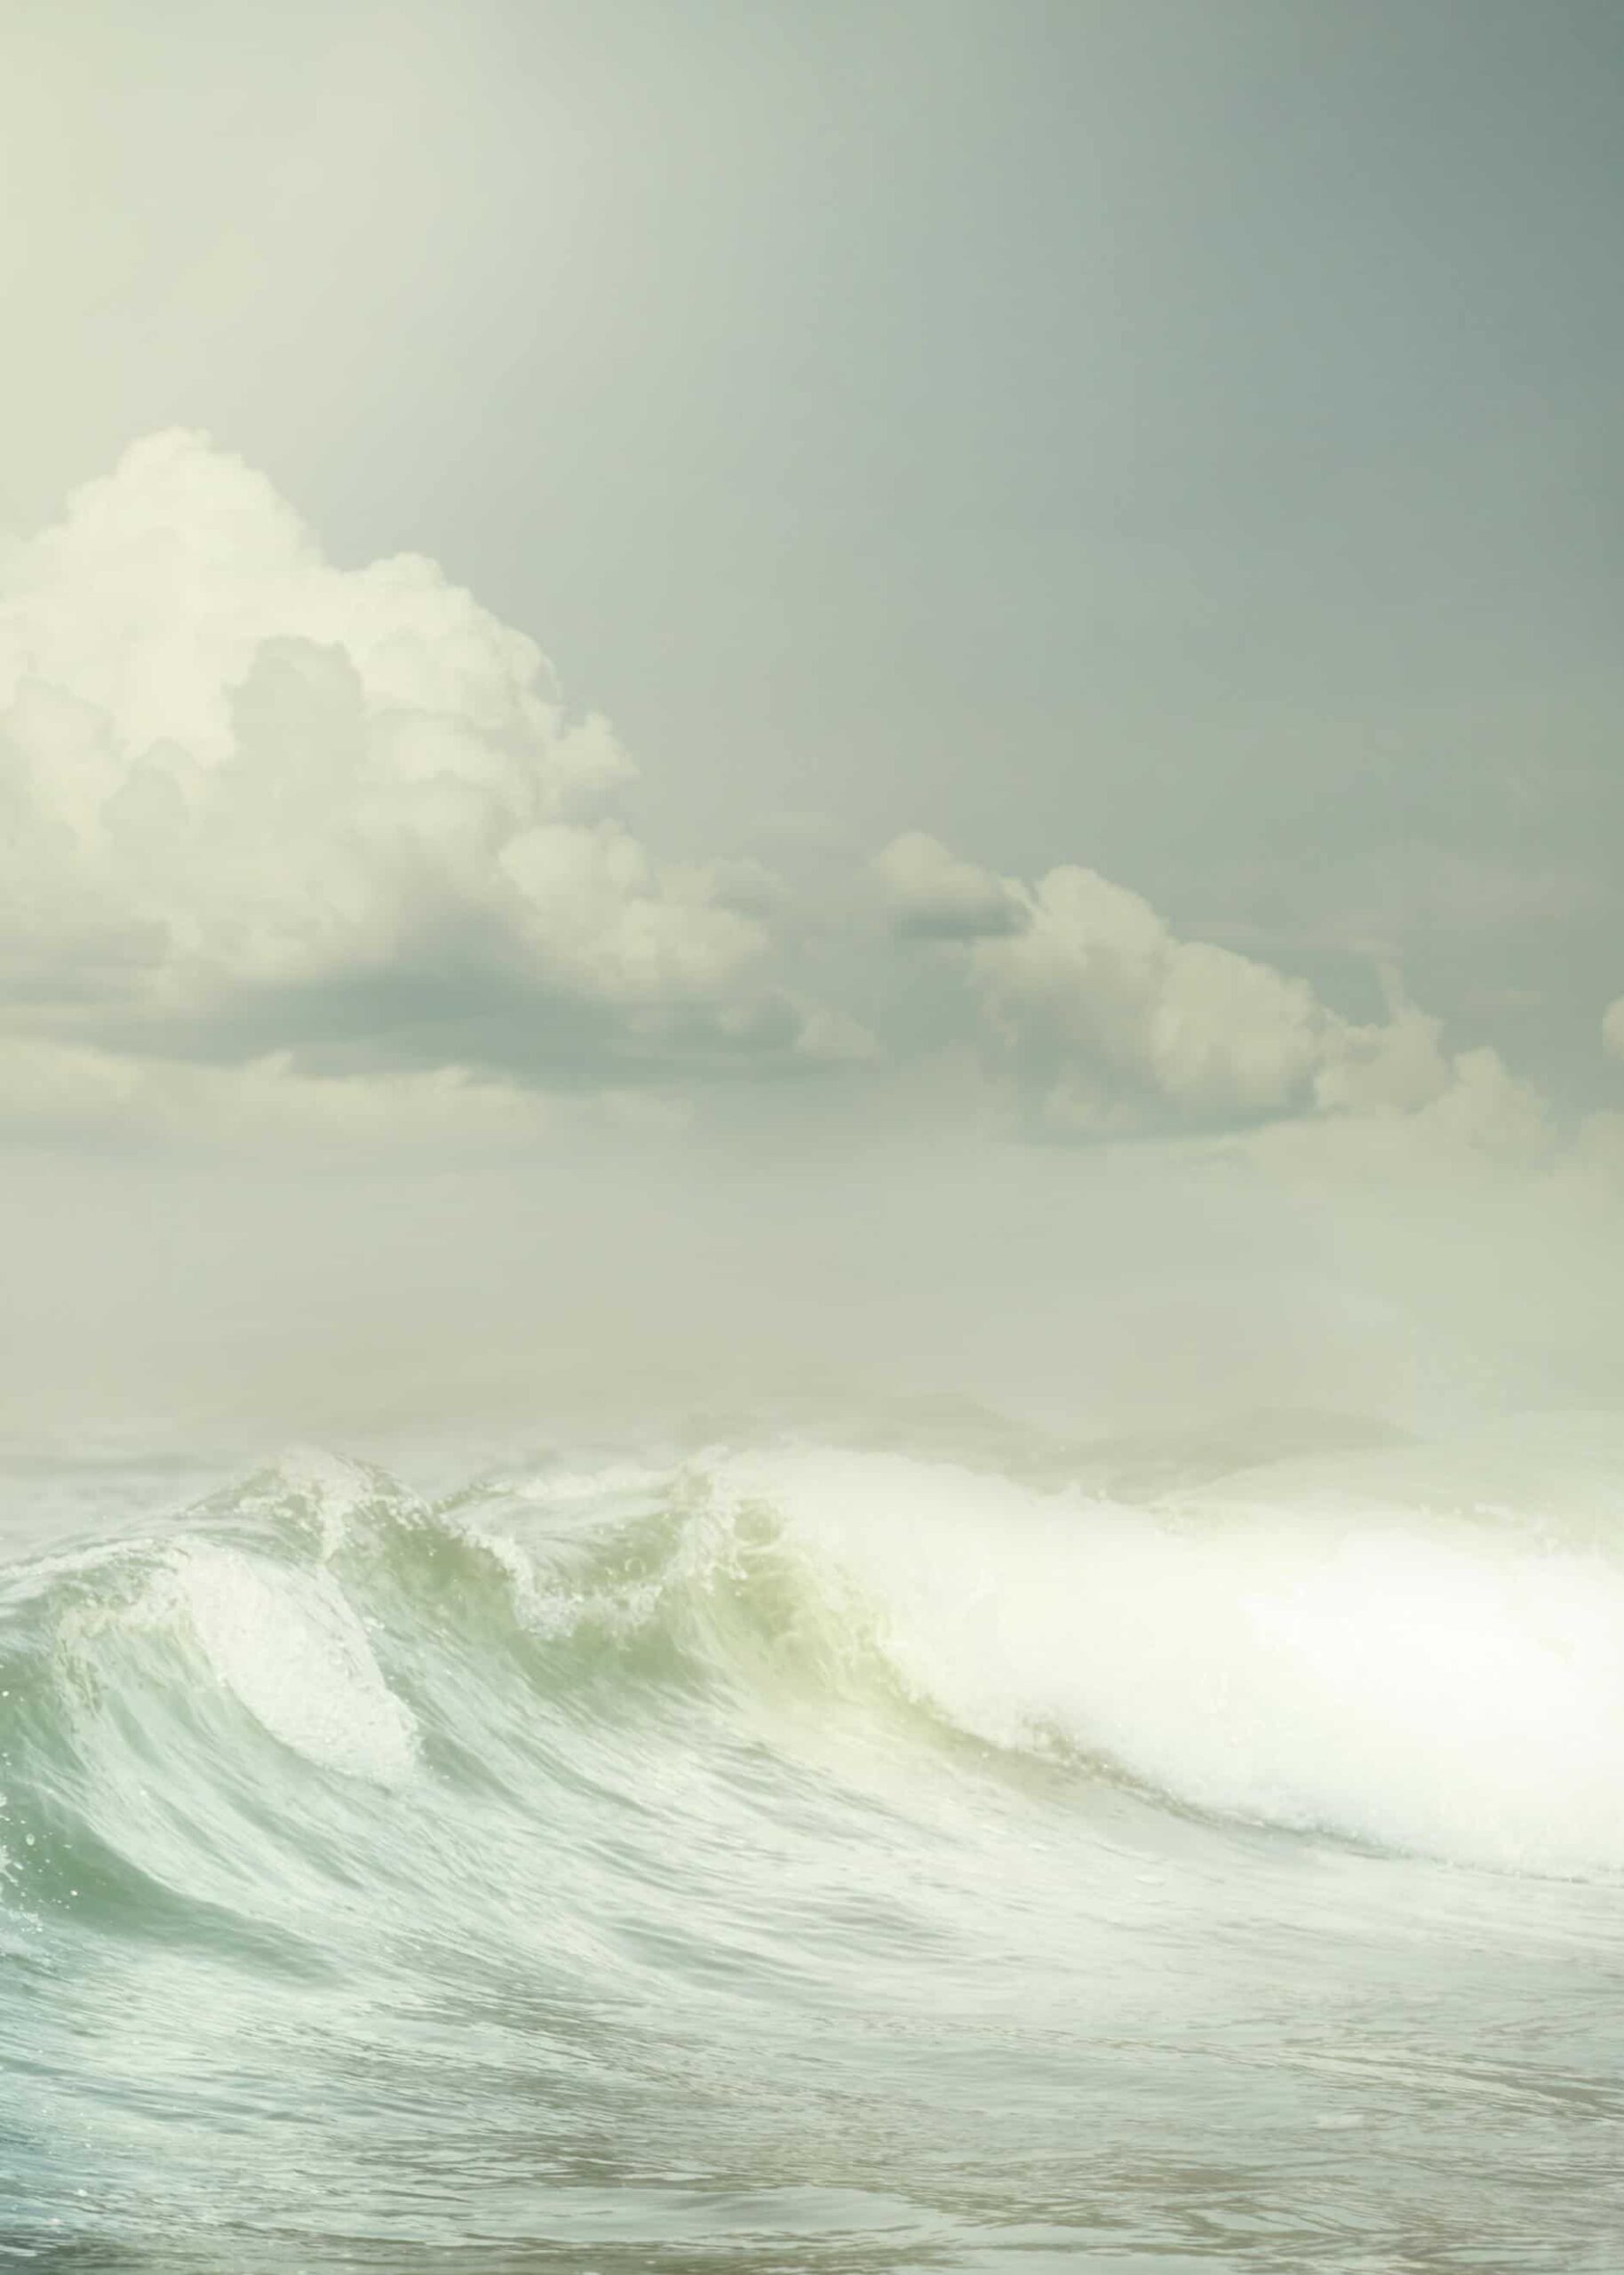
731, 697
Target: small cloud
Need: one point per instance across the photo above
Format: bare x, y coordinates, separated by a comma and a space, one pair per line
933, 895
1102, 1023
1104, 1019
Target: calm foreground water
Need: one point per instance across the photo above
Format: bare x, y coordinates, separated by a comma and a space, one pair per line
809, 1860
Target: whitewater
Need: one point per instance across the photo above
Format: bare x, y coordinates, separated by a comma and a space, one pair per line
795, 1856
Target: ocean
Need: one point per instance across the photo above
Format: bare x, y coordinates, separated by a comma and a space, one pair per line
789, 1856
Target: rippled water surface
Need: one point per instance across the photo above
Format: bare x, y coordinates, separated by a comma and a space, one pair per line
808, 1859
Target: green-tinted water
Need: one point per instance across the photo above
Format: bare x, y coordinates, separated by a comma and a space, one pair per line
814, 1861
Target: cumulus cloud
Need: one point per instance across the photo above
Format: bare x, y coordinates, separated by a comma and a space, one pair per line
1101, 1013
1102, 1020
1105, 1024
260, 811
932, 896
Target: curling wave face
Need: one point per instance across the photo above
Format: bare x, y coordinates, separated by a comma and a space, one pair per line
805, 1858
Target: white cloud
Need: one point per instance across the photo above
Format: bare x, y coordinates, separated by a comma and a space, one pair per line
933, 895
254, 805
1104, 1022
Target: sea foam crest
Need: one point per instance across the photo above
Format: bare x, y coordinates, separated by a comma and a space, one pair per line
291, 1647
1442, 1688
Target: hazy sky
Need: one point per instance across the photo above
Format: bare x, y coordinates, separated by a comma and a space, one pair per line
1080, 547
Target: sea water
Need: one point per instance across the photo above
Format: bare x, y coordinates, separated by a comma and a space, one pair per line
787, 1857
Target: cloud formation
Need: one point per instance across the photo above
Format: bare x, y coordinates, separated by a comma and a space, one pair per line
261, 812
931, 896
1103, 1023
285, 845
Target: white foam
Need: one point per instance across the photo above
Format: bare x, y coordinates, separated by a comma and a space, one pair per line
290, 1647
1440, 1687
562, 1488
335, 1490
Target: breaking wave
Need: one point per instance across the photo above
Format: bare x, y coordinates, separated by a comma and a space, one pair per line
492, 1832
